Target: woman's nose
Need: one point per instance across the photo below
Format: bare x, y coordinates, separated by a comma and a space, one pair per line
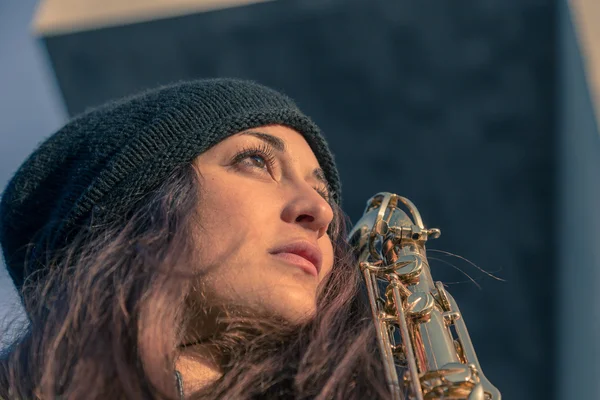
310, 210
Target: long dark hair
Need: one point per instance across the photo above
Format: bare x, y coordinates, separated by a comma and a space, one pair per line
107, 318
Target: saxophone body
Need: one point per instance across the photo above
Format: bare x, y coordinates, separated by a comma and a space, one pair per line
422, 338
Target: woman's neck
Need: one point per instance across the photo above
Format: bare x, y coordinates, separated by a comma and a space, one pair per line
198, 367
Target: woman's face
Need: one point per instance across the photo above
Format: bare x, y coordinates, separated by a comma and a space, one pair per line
263, 238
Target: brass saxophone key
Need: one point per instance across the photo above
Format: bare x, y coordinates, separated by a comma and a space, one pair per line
421, 334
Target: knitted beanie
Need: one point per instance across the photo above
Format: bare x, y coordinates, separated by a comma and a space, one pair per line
110, 157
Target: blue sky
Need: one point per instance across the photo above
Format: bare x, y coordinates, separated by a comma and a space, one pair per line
31, 107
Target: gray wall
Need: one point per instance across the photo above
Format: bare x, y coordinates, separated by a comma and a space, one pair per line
578, 322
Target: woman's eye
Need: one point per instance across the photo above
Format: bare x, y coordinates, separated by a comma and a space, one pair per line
258, 160
324, 193
255, 157
261, 157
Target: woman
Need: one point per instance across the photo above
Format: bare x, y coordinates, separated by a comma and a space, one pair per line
186, 242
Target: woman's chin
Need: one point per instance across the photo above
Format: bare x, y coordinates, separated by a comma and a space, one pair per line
295, 307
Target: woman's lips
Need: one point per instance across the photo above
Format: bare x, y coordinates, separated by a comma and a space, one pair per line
298, 261
301, 253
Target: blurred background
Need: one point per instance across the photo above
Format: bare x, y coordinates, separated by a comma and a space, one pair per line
481, 112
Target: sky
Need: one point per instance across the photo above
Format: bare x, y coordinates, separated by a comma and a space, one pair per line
31, 107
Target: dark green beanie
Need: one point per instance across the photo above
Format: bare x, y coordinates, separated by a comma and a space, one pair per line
112, 156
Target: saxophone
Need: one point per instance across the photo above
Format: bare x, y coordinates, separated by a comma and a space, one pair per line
423, 340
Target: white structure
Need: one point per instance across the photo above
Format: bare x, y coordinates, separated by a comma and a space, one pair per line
577, 294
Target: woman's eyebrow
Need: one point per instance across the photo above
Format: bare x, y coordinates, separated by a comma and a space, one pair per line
277, 143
